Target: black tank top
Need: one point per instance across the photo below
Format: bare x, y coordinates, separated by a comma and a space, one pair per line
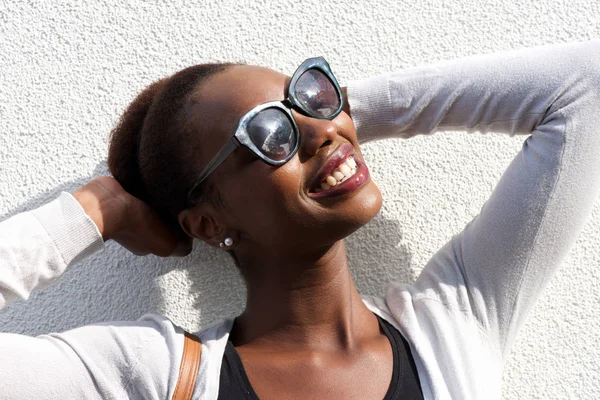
234, 383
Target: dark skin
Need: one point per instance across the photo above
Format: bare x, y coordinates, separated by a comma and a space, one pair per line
305, 332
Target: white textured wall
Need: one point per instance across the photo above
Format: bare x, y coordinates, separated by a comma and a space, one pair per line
67, 69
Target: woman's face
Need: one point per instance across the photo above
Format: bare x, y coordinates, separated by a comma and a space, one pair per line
274, 208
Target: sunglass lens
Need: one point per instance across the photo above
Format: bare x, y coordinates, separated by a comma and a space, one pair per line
273, 133
317, 93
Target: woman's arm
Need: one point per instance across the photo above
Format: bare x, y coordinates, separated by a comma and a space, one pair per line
497, 266
113, 360
37, 246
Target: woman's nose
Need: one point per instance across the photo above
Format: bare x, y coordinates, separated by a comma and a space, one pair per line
314, 134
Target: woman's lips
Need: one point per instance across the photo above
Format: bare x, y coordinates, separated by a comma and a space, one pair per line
352, 184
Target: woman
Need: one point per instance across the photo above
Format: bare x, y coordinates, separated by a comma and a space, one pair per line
281, 208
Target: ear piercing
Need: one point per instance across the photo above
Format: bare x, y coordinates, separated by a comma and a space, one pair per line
227, 242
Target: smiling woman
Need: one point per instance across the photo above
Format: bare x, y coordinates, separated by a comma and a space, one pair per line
270, 168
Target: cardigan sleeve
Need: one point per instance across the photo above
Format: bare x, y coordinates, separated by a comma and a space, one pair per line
113, 360
497, 265
37, 246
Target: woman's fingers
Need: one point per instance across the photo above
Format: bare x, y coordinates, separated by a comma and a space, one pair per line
129, 221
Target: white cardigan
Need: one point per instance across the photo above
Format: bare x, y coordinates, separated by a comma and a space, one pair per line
461, 315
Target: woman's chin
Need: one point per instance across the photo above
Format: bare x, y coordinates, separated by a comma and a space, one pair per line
354, 212
331, 221
364, 207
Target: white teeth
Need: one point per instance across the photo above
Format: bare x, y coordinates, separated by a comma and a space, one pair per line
341, 174
338, 175
345, 170
331, 181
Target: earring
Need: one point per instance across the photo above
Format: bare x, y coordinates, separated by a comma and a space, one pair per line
228, 242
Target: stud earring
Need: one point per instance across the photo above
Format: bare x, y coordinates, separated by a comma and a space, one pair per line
228, 242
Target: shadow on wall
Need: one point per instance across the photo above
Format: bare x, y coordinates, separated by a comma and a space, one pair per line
378, 257
194, 291
51, 194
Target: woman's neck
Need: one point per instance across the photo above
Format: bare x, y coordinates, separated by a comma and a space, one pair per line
311, 301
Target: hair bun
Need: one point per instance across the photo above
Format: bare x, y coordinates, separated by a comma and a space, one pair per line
123, 153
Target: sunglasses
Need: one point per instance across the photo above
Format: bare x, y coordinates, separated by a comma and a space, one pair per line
269, 129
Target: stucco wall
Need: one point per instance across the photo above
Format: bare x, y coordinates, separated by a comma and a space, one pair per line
67, 70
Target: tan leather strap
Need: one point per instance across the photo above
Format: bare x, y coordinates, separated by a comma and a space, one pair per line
188, 370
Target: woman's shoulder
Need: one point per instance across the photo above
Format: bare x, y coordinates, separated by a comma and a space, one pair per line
159, 343
148, 353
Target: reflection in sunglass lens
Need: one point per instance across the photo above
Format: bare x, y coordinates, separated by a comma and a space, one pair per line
272, 132
317, 93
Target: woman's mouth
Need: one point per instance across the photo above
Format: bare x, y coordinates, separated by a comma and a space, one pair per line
345, 178
339, 174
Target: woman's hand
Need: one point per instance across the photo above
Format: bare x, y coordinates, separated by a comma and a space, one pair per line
129, 221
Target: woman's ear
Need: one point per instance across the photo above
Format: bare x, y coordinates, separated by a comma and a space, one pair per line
200, 222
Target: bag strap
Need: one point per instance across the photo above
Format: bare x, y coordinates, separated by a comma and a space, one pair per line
188, 370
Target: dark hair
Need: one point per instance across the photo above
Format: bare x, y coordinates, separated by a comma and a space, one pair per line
151, 151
